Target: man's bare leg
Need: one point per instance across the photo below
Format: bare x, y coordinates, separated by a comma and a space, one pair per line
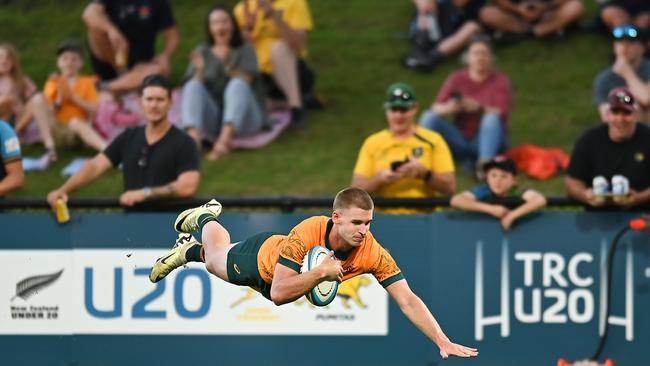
128, 81
498, 19
458, 40
131, 80
100, 46
44, 116
564, 15
216, 245
285, 72
188, 249
87, 134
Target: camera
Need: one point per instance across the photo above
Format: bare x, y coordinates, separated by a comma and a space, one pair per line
456, 95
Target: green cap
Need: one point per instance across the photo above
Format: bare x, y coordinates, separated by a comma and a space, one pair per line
400, 95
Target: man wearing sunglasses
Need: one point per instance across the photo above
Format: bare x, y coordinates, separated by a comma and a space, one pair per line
158, 159
629, 69
619, 147
405, 160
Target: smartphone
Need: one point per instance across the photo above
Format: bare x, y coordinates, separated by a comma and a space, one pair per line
396, 164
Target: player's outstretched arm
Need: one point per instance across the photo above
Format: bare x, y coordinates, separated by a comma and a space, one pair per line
418, 313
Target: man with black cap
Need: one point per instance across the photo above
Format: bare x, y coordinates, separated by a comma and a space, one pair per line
630, 69
500, 182
405, 160
618, 148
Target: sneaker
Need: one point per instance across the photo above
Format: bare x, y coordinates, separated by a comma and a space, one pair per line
173, 259
313, 101
422, 61
298, 118
188, 220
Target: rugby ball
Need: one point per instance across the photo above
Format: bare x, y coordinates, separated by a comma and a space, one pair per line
325, 291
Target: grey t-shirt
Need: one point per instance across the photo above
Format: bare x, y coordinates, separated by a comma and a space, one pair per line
608, 80
215, 72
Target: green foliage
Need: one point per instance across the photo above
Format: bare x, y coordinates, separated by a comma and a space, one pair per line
355, 48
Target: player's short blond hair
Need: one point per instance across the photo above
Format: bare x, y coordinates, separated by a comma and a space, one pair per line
353, 197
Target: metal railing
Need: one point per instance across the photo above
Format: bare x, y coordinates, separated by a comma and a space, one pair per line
285, 204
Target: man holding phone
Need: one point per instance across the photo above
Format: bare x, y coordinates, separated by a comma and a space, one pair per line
405, 160
472, 108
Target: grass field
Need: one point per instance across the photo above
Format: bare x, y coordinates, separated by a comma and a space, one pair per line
355, 48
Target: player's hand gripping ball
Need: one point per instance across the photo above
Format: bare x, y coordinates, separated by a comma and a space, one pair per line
324, 292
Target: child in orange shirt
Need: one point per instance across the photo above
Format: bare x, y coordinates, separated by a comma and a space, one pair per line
74, 99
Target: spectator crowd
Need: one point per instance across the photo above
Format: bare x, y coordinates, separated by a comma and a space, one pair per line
252, 69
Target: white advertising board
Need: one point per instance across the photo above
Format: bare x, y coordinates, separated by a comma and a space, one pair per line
107, 291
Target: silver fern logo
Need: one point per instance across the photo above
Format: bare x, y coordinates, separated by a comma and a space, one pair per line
30, 286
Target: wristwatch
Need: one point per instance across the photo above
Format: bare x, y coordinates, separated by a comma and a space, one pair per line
147, 192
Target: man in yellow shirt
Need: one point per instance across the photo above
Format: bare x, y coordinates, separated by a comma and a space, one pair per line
270, 263
278, 29
405, 160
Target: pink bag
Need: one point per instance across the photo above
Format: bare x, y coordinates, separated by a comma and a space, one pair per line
111, 119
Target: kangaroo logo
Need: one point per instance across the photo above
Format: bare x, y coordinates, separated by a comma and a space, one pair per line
250, 294
349, 290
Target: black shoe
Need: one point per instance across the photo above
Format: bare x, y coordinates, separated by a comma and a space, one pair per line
421, 61
313, 101
298, 118
505, 39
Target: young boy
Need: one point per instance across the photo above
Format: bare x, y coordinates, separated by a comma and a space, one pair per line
501, 181
74, 99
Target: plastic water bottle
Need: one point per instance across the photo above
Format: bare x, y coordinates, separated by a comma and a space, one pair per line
620, 187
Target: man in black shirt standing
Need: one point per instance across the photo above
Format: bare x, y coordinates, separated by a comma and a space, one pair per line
122, 38
158, 160
621, 146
